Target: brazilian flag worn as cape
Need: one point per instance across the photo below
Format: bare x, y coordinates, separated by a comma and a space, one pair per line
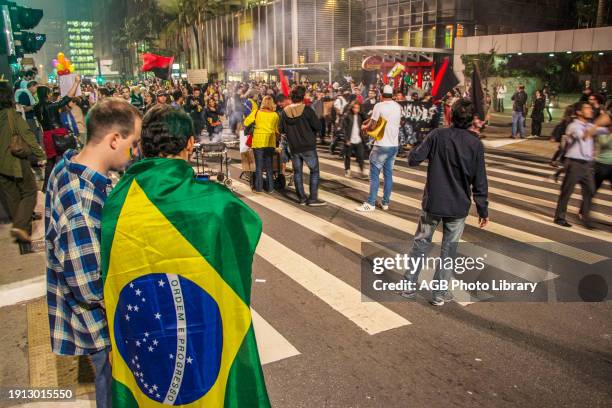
176, 264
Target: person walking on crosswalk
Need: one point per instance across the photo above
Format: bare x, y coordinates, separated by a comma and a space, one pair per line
384, 151
456, 173
578, 165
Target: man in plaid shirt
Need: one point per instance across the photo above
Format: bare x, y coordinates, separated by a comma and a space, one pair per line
76, 192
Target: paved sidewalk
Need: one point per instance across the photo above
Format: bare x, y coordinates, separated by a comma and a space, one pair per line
500, 129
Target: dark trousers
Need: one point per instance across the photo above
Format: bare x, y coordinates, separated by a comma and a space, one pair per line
48, 169
311, 159
603, 172
358, 149
263, 162
20, 194
323, 131
536, 126
104, 379
576, 172
500, 104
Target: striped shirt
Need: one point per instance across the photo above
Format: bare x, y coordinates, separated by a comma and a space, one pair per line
73, 209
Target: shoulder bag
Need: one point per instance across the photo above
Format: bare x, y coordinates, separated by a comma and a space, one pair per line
18, 147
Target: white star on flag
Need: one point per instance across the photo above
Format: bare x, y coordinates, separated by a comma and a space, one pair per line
137, 365
154, 387
144, 339
189, 360
137, 343
138, 292
127, 317
150, 348
146, 334
157, 396
155, 342
158, 316
136, 308
144, 300
161, 283
171, 356
146, 385
136, 357
151, 391
132, 285
129, 307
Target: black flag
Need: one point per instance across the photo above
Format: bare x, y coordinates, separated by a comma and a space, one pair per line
477, 94
445, 81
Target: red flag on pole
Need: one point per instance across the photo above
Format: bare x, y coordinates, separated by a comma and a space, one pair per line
158, 64
284, 83
445, 81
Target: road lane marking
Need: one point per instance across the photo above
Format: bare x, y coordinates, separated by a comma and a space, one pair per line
271, 344
507, 264
22, 291
370, 316
495, 228
423, 173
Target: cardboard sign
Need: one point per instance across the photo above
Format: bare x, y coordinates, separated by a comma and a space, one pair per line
65, 83
197, 76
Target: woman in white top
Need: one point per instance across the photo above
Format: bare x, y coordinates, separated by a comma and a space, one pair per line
353, 142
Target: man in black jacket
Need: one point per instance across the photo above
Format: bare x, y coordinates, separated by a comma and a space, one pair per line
300, 124
519, 110
456, 172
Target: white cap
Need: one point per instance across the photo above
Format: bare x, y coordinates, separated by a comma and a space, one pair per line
387, 90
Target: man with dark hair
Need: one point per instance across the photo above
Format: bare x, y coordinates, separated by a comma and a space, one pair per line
188, 245
448, 191
178, 100
519, 105
167, 133
578, 164
300, 124
194, 106
76, 193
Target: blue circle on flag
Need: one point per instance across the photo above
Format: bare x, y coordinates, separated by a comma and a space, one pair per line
170, 333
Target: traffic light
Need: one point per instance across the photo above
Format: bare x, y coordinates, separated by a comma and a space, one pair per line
14, 20
32, 42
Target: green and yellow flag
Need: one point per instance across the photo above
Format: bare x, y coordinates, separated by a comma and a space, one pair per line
176, 264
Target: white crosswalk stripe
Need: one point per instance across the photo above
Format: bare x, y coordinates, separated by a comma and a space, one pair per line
373, 317
495, 228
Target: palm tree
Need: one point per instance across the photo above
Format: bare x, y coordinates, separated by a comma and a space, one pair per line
601, 13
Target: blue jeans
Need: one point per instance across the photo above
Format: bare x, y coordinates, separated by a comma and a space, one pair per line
452, 229
263, 162
312, 161
518, 124
381, 158
103, 380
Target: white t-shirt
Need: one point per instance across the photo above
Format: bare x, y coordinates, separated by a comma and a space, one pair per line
391, 111
355, 137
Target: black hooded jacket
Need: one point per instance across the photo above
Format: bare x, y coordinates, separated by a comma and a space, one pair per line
300, 124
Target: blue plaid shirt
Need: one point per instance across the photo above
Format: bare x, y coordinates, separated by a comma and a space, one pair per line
73, 210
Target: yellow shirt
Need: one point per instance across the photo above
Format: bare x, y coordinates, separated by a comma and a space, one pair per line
266, 128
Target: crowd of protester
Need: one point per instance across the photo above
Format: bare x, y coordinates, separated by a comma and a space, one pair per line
71, 142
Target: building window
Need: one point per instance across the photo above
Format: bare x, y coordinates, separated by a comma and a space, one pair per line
404, 38
459, 30
448, 36
429, 37
416, 38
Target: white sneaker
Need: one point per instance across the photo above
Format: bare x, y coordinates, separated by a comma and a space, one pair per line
385, 207
347, 173
366, 207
